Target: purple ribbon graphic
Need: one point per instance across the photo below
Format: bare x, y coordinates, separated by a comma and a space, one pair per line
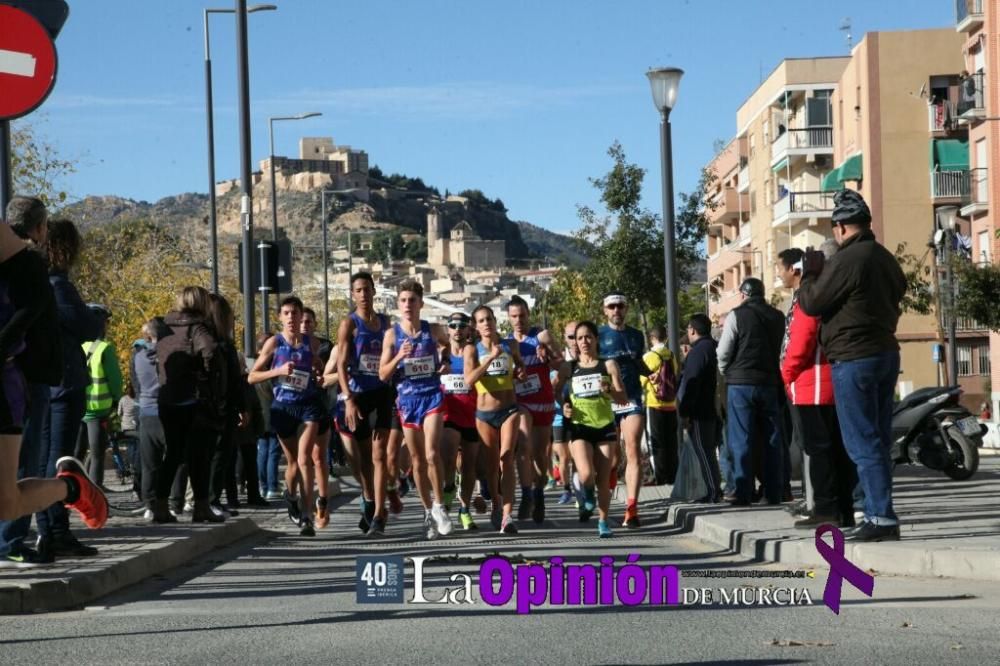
840, 568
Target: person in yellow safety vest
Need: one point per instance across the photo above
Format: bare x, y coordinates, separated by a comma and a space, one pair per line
103, 393
661, 414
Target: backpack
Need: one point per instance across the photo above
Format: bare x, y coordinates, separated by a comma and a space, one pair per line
666, 380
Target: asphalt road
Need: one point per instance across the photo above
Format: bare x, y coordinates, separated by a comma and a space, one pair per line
285, 599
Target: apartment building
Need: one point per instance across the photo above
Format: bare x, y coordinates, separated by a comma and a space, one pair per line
817, 125
976, 107
728, 213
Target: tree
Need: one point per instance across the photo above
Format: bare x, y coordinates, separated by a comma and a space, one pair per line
36, 167
919, 297
978, 288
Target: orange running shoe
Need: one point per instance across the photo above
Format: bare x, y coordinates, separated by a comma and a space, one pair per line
91, 505
631, 517
322, 513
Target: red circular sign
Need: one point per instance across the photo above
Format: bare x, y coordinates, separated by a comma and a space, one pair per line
27, 63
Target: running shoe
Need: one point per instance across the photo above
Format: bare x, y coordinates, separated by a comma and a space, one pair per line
586, 510
496, 516
538, 508
508, 526
631, 518
603, 531
565, 498
377, 527
307, 528
527, 506
395, 502
294, 511
91, 504
23, 559
551, 485
479, 504
322, 513
468, 524
273, 495
430, 528
448, 496
442, 519
367, 513
404, 486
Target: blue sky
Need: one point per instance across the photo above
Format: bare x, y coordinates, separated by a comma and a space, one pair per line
520, 99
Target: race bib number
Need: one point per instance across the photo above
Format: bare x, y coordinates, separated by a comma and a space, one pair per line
418, 367
530, 385
499, 366
368, 364
297, 381
587, 386
623, 408
454, 384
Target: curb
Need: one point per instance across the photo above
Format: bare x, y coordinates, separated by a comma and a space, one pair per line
73, 591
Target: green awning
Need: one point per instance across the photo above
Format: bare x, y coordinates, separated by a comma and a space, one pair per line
850, 169
949, 155
779, 166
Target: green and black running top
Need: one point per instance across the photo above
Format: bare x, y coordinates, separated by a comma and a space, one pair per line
591, 405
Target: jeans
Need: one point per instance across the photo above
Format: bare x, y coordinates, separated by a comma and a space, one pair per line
268, 456
863, 390
725, 458
14, 532
751, 407
59, 435
663, 444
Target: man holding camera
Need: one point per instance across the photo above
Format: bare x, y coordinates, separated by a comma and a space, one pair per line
857, 298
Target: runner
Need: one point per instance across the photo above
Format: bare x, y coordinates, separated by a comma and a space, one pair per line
560, 443
320, 449
491, 366
293, 360
460, 419
365, 404
537, 403
593, 383
410, 353
625, 345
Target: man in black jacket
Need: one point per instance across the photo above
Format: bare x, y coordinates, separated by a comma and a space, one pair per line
857, 297
696, 400
749, 358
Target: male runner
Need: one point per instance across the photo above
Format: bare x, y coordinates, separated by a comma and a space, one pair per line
460, 418
560, 441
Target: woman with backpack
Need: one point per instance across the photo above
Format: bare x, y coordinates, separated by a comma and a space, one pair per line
660, 387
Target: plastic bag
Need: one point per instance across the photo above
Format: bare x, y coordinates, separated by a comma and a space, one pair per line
690, 484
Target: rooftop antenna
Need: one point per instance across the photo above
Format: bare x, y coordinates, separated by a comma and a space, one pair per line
845, 27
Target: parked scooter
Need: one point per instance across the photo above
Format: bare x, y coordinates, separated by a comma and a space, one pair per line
929, 426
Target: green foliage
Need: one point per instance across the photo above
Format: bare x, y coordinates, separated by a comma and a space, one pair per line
919, 297
36, 167
391, 244
978, 293
401, 181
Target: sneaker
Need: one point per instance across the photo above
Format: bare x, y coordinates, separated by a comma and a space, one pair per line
586, 510
377, 527
496, 516
868, 532
468, 524
272, 495
307, 528
538, 508
859, 517
367, 513
68, 545
551, 485
404, 486
395, 502
815, 520
507, 526
565, 498
526, 507
798, 509
23, 559
631, 518
91, 504
188, 507
479, 504
322, 513
603, 531
448, 497
147, 515
442, 519
430, 527
294, 511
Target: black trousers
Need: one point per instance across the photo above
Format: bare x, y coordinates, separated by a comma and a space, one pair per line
246, 470
663, 444
223, 466
703, 436
189, 442
153, 455
93, 437
831, 472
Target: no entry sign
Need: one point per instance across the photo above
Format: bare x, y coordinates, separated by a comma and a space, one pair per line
27, 63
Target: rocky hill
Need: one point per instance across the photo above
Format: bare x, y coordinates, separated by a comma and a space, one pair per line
299, 215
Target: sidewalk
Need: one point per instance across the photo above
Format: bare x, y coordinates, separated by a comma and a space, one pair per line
948, 528
131, 551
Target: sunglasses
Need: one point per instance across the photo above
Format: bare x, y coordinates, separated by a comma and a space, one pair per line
456, 325
616, 306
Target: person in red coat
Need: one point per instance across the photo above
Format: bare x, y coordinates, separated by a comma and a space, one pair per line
805, 371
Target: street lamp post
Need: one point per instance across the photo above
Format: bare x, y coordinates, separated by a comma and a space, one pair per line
212, 213
274, 188
664, 82
326, 266
945, 237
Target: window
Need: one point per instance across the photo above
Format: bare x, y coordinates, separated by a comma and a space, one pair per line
984, 360
753, 203
964, 361
984, 247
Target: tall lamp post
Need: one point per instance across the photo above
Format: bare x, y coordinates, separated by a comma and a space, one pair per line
945, 237
664, 82
212, 214
274, 189
326, 265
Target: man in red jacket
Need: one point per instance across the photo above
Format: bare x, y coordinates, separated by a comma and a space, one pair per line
806, 373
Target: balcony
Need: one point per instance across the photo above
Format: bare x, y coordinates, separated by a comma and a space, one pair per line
972, 98
941, 116
728, 206
968, 15
976, 201
798, 206
743, 179
949, 185
807, 141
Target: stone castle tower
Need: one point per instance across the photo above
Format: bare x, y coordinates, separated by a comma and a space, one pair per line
437, 240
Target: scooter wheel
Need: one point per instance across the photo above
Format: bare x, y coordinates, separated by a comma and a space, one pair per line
965, 451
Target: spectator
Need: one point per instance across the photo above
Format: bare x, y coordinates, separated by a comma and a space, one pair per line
68, 401
29, 219
268, 448
246, 441
103, 392
857, 298
805, 371
661, 413
155, 488
748, 355
696, 401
